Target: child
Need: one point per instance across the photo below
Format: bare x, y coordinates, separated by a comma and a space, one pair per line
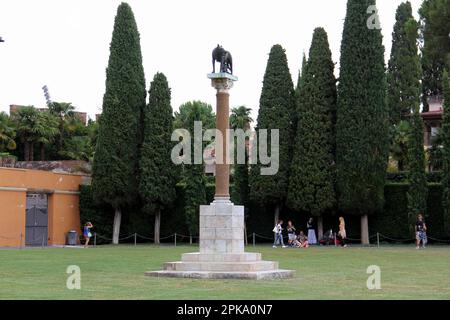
303, 240
278, 234
291, 233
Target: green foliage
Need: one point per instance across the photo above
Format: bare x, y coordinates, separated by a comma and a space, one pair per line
434, 18
404, 66
194, 174
417, 193
115, 164
157, 172
362, 117
400, 134
240, 190
311, 184
445, 133
7, 133
99, 215
276, 111
34, 126
194, 111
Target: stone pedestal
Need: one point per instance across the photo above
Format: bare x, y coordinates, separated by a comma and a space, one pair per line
221, 231
222, 253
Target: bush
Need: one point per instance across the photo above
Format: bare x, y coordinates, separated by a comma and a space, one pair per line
391, 222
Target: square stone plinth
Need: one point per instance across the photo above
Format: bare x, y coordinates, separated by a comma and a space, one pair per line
221, 228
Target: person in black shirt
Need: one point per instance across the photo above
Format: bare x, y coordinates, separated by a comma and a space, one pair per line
421, 232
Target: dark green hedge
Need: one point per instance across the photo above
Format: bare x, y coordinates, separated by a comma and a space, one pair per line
402, 176
392, 222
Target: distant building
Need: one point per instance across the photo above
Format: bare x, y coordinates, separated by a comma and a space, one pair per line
82, 116
433, 120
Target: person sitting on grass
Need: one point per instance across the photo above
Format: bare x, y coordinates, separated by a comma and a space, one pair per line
421, 232
303, 240
87, 233
278, 230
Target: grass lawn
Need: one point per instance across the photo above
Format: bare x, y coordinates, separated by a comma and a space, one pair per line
117, 272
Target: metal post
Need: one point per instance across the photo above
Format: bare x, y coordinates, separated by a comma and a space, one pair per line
43, 241
190, 239
135, 239
175, 239
254, 239
378, 240
95, 239
21, 239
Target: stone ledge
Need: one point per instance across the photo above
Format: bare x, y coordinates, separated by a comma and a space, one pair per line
261, 275
231, 257
256, 266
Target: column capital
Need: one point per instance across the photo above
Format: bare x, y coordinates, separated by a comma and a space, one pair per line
222, 82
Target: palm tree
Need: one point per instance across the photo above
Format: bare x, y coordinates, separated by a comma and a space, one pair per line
399, 145
7, 133
34, 127
26, 120
240, 118
48, 130
64, 111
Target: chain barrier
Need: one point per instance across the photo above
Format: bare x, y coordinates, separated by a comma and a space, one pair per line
177, 236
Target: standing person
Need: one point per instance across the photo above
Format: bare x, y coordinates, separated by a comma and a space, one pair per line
278, 230
291, 233
87, 233
421, 232
342, 234
311, 232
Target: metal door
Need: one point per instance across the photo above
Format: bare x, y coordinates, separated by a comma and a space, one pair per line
36, 221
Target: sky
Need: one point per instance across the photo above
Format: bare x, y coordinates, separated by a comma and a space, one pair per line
64, 44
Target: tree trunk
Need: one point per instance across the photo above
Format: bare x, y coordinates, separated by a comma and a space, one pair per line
42, 149
276, 217
116, 226
319, 228
277, 214
365, 229
157, 226
26, 151
31, 156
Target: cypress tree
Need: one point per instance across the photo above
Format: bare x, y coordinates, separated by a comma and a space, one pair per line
311, 184
445, 133
417, 193
115, 164
301, 75
362, 118
403, 74
434, 18
157, 172
276, 111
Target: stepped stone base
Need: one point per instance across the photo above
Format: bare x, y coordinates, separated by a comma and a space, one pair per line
222, 253
257, 275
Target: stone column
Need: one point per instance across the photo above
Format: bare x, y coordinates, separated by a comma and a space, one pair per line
222, 82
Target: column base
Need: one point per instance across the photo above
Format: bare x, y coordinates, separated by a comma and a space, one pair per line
222, 253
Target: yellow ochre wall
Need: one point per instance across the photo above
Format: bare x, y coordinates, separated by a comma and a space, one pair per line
63, 209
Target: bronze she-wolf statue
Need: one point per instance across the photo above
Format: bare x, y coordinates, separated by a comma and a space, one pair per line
219, 54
